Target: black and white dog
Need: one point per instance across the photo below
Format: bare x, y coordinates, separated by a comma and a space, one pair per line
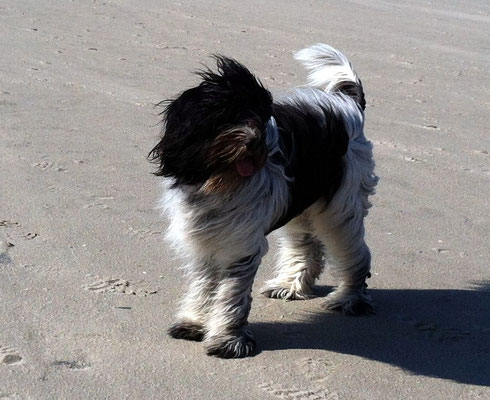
238, 165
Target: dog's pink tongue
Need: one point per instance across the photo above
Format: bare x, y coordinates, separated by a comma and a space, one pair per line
245, 167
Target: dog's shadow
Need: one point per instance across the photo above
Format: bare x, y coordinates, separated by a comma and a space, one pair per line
437, 333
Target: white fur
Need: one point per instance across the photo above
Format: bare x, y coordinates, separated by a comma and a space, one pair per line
338, 230
222, 238
327, 66
213, 246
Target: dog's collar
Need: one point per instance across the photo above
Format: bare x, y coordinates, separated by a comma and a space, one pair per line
276, 152
271, 127
272, 139
272, 136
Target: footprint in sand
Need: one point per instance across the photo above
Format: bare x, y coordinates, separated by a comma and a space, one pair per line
71, 364
49, 165
4, 257
142, 233
115, 285
9, 356
440, 333
14, 396
317, 369
314, 369
293, 393
7, 223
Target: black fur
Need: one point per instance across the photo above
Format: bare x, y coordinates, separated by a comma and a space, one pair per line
187, 331
233, 96
215, 137
226, 98
313, 153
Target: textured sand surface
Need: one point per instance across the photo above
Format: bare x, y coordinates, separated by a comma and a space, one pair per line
88, 288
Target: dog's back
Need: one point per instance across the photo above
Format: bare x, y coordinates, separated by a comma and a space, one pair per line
319, 124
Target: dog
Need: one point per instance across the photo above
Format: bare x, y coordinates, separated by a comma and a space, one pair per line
237, 165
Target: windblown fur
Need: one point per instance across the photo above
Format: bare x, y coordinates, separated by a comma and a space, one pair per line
238, 165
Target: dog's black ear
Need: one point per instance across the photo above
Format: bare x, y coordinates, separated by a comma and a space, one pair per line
180, 152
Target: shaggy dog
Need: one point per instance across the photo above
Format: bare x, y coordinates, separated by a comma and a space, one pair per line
238, 164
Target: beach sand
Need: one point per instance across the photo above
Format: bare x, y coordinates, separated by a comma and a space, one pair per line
88, 287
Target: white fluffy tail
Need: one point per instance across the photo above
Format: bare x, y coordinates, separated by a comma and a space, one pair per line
331, 71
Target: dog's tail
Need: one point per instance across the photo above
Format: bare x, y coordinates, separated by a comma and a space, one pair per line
331, 71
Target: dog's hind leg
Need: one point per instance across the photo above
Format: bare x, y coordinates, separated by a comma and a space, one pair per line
340, 226
226, 333
300, 263
351, 262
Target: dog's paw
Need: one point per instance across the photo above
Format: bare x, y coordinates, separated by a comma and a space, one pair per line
231, 346
350, 303
187, 331
285, 294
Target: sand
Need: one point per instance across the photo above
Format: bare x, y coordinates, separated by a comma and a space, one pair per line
88, 287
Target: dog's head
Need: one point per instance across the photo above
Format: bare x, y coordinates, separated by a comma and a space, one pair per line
214, 134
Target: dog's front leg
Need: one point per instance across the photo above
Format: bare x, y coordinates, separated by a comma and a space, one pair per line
226, 333
196, 303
